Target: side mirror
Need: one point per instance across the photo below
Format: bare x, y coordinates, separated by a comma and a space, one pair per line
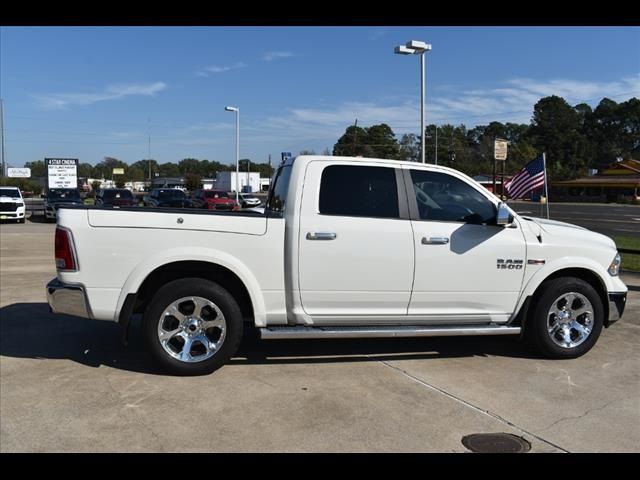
503, 217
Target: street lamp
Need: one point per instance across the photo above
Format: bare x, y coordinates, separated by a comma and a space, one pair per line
416, 47
237, 110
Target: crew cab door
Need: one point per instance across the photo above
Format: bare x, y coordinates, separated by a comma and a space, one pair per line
355, 242
467, 268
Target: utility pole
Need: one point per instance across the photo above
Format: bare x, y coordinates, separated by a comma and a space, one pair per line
3, 172
436, 159
149, 149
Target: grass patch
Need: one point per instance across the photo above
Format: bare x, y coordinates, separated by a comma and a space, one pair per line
629, 262
89, 201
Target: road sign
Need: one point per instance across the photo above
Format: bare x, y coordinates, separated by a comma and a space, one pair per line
19, 172
286, 156
118, 171
500, 149
62, 172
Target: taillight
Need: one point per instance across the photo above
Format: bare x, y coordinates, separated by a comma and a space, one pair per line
65, 256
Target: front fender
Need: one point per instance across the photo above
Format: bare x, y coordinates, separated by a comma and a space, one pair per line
564, 263
208, 255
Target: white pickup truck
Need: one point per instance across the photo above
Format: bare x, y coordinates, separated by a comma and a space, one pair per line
345, 248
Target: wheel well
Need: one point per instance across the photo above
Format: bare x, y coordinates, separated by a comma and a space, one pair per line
588, 276
210, 271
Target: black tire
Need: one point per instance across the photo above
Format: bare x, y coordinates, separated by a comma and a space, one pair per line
186, 287
536, 330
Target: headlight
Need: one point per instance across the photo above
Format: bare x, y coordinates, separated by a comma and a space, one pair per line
614, 268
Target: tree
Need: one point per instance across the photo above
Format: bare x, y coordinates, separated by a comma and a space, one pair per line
169, 169
409, 148
307, 152
555, 130
85, 170
144, 166
354, 142
38, 168
382, 141
134, 174
192, 181
120, 182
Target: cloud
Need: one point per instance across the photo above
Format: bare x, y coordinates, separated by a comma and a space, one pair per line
270, 56
512, 101
220, 69
112, 92
376, 34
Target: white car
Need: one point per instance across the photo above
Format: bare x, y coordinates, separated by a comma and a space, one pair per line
346, 247
248, 200
11, 204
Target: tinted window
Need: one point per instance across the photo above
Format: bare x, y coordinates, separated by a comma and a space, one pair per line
172, 193
278, 192
110, 194
443, 197
359, 191
64, 194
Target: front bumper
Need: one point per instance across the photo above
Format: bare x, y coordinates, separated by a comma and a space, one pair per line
68, 299
617, 302
18, 213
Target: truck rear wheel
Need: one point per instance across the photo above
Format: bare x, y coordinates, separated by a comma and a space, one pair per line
567, 319
192, 326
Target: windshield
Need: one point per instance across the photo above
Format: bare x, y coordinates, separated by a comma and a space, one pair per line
111, 194
9, 192
63, 195
171, 194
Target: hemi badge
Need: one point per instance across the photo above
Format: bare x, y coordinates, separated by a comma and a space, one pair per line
535, 262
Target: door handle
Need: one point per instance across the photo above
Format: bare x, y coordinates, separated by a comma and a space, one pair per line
435, 240
321, 236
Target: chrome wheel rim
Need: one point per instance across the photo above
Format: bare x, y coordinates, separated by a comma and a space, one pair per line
570, 320
192, 329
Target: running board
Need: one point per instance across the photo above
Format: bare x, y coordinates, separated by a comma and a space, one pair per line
299, 332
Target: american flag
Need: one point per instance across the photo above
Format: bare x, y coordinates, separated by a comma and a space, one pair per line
529, 178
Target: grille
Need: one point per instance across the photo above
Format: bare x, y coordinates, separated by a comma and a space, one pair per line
8, 207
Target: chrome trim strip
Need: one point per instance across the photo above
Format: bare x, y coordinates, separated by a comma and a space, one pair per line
67, 299
300, 332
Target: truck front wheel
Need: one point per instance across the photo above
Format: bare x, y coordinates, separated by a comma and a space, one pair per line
567, 319
192, 326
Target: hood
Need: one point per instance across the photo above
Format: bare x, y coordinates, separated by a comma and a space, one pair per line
552, 231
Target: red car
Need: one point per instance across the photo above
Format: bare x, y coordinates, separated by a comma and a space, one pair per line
214, 200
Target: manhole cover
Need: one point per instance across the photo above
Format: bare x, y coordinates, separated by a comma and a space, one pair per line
495, 443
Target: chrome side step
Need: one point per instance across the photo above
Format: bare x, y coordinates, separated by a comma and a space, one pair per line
299, 332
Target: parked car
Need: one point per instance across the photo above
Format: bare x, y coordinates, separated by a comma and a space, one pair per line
58, 197
248, 200
11, 204
347, 247
116, 197
167, 197
213, 200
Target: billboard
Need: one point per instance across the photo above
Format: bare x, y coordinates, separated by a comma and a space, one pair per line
19, 172
62, 172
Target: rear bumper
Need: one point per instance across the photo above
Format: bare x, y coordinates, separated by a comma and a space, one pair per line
617, 302
68, 299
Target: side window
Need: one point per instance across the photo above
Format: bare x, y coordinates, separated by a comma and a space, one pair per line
443, 197
359, 191
278, 193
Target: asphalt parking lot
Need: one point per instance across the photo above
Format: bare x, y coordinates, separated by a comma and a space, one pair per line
608, 219
67, 385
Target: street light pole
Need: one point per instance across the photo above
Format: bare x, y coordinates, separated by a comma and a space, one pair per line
237, 110
416, 47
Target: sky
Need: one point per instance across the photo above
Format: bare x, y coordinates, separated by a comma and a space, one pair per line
91, 92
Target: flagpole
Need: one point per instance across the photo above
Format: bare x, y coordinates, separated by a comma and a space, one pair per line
546, 190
